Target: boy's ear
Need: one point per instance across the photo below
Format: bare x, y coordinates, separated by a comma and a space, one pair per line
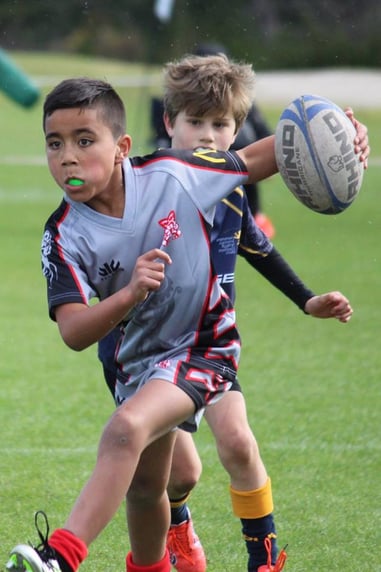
123, 148
234, 137
168, 124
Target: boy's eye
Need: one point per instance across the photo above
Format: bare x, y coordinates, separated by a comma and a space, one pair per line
85, 142
53, 145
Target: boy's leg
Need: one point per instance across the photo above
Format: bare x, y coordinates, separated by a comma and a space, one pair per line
255, 510
185, 548
250, 486
185, 471
134, 425
183, 543
162, 566
147, 506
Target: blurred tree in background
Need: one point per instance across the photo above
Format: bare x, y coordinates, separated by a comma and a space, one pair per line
273, 34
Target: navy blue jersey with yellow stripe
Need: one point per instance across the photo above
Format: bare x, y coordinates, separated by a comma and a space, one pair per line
235, 232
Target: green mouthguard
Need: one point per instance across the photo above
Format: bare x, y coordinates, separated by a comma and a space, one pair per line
75, 182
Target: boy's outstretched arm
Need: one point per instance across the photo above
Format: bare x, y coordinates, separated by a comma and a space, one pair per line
277, 271
330, 305
259, 157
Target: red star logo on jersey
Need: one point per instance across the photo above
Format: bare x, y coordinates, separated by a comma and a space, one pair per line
171, 228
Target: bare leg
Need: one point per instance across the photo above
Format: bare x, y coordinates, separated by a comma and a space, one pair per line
148, 504
236, 444
135, 424
186, 466
250, 490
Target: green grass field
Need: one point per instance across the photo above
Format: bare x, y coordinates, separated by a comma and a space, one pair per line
312, 386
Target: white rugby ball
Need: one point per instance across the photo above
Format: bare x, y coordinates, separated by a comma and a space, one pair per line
315, 154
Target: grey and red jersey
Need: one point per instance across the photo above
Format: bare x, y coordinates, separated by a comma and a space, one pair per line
170, 202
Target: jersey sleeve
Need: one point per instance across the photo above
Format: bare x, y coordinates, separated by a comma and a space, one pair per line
65, 280
259, 251
277, 271
253, 241
206, 175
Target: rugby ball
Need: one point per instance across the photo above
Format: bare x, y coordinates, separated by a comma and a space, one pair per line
315, 155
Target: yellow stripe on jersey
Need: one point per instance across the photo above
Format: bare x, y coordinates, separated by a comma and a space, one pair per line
232, 206
252, 251
239, 191
205, 154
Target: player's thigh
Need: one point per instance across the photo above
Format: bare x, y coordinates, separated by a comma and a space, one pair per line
154, 410
228, 421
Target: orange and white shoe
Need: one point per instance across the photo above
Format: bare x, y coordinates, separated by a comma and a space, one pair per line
280, 562
185, 549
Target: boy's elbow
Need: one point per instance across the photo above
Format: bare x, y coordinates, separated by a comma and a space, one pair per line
73, 344
70, 325
72, 340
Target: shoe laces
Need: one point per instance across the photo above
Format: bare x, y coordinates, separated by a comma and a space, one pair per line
281, 560
178, 539
43, 548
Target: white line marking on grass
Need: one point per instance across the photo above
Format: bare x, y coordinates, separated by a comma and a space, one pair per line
40, 160
328, 447
28, 161
125, 80
63, 452
337, 448
29, 196
310, 445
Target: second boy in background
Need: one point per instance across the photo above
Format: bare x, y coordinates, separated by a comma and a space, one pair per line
253, 128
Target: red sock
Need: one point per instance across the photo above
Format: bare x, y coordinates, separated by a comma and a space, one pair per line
163, 566
72, 549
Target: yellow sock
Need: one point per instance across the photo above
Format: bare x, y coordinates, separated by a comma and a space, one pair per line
252, 504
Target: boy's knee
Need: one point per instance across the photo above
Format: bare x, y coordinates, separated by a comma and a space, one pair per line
124, 429
181, 484
185, 474
239, 449
146, 489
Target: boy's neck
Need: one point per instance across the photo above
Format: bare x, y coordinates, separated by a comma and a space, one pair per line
112, 201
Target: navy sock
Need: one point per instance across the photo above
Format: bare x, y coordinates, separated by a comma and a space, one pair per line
255, 530
179, 513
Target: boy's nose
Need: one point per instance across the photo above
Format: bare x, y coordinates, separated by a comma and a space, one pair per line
68, 157
207, 134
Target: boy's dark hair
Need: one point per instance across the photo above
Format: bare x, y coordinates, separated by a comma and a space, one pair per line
83, 93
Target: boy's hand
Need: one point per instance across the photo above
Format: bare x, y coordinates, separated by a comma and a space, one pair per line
361, 140
148, 273
330, 305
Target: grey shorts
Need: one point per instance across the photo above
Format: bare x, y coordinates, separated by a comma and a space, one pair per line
203, 380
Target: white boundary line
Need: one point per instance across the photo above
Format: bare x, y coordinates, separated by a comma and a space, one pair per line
306, 445
40, 160
357, 87
66, 452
